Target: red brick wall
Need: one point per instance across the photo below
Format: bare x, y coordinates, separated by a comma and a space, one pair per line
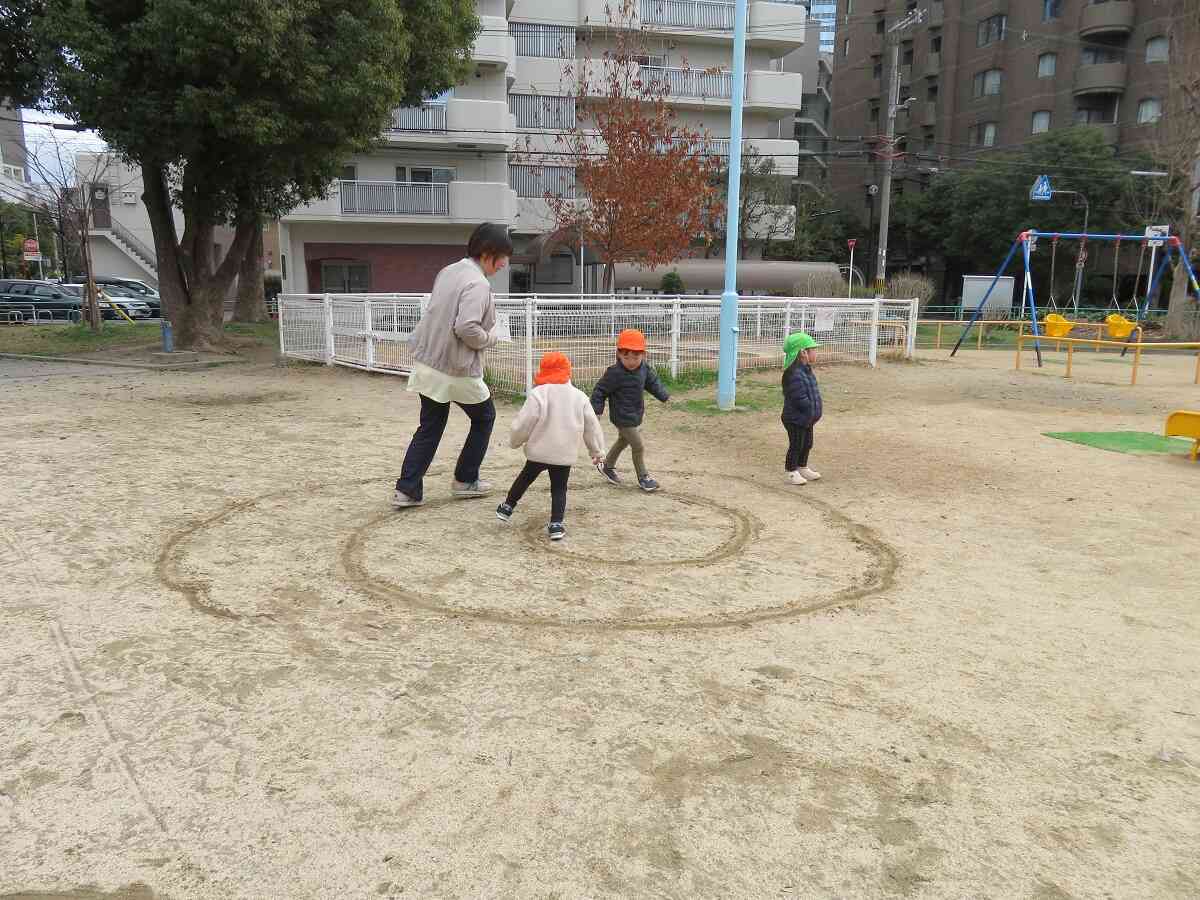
394, 267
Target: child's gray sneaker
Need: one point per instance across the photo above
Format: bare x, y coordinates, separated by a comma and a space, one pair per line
504, 512
463, 490
556, 530
608, 473
400, 500
648, 484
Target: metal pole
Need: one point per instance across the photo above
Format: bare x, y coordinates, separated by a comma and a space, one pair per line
1079, 260
727, 358
850, 275
988, 293
885, 189
1033, 320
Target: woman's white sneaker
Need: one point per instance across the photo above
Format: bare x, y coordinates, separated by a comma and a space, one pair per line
810, 474
796, 478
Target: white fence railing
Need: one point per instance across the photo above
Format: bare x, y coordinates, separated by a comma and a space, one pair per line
701, 15
394, 198
371, 331
426, 117
691, 82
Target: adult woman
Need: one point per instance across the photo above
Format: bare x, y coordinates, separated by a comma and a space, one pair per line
447, 346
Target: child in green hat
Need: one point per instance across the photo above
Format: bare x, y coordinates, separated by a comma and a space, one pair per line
801, 405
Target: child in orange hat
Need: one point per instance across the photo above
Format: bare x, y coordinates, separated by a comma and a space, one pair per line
555, 415
623, 386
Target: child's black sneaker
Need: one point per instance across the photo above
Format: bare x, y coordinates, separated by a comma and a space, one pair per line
504, 512
556, 530
609, 474
648, 484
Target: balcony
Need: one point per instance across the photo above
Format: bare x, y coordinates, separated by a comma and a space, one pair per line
1114, 17
1104, 78
400, 201
929, 113
1110, 131
778, 92
495, 47
453, 122
933, 65
937, 13
768, 24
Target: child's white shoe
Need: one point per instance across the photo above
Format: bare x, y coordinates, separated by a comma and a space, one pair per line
809, 474
796, 478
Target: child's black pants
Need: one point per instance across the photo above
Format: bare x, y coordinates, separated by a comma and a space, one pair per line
800, 441
558, 486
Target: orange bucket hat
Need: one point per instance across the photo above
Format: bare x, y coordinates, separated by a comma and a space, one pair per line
631, 339
554, 369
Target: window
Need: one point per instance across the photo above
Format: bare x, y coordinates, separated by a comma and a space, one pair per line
906, 53
1051, 9
345, 277
430, 175
935, 44
877, 67
880, 26
983, 134
1149, 111
402, 173
1157, 49
1098, 55
1041, 121
987, 84
349, 173
846, 47
932, 94
991, 29
657, 61
560, 269
1047, 65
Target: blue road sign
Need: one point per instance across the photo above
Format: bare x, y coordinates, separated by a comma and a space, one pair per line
1041, 189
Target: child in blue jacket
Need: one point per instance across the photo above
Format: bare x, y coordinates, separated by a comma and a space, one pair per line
801, 405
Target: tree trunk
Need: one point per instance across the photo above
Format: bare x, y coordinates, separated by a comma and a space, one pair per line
251, 297
610, 271
1183, 315
91, 305
193, 292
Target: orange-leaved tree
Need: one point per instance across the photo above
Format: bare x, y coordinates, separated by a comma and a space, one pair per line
644, 182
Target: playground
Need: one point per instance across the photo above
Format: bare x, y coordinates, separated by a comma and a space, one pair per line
963, 664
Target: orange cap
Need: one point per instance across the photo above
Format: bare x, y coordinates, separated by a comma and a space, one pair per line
631, 339
555, 369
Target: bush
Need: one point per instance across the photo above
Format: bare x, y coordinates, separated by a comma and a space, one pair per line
907, 285
821, 284
671, 283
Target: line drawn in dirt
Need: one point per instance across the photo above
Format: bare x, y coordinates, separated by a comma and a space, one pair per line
730, 532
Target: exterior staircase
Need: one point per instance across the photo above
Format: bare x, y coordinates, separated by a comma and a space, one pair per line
131, 245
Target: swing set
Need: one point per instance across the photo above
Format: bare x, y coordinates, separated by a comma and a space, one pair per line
1119, 327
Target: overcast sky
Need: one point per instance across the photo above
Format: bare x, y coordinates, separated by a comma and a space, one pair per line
49, 144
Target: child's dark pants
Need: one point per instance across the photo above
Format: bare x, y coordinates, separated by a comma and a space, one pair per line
800, 441
558, 486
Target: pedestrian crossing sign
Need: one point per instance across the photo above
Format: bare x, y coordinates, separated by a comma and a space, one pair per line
1041, 189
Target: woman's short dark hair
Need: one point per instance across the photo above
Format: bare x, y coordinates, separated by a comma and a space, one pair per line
489, 239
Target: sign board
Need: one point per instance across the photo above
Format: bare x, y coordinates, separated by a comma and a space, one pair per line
32, 257
1041, 190
825, 319
999, 303
1157, 234
30, 246
850, 243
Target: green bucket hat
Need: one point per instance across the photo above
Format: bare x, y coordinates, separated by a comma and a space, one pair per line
796, 341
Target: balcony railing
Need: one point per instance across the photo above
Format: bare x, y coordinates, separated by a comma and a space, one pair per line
539, 181
546, 41
697, 15
691, 82
542, 111
426, 117
394, 198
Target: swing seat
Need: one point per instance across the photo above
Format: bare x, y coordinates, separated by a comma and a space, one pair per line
1056, 326
1118, 327
1185, 423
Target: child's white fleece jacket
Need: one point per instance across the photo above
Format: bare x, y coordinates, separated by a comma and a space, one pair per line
551, 422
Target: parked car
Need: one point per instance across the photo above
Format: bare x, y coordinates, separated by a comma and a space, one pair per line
135, 308
125, 292
139, 288
28, 300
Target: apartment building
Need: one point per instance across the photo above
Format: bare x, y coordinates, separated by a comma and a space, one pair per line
12, 145
993, 73
824, 15
404, 210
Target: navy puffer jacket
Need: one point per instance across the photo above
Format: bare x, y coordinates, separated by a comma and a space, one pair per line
623, 391
801, 396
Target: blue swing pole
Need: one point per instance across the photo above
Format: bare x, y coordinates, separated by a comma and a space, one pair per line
988, 293
727, 325
1144, 309
1033, 314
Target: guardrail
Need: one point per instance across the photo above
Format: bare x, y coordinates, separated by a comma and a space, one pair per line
1138, 348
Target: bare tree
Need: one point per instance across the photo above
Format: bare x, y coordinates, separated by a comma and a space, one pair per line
1175, 148
68, 177
765, 211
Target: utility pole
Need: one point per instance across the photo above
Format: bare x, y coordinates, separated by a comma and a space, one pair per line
893, 106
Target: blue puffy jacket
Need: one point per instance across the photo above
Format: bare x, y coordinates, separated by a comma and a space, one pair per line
801, 396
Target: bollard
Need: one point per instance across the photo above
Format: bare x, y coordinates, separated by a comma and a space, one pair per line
168, 337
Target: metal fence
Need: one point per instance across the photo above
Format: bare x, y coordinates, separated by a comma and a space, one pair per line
546, 41
540, 181
701, 15
691, 82
542, 110
371, 331
394, 198
426, 117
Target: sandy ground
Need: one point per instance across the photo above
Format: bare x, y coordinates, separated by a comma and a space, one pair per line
964, 664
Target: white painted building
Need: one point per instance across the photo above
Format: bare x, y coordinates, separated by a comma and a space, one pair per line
403, 211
